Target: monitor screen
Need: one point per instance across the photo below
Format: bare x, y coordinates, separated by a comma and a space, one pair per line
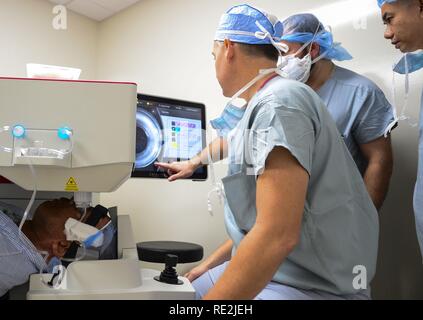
168, 130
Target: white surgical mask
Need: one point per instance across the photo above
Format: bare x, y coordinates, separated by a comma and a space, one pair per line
297, 69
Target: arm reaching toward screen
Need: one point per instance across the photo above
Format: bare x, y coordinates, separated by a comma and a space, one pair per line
218, 149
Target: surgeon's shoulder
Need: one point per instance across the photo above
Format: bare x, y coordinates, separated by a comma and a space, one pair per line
285, 93
284, 98
282, 85
354, 79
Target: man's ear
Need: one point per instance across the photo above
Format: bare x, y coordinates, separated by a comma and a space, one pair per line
229, 49
315, 50
59, 247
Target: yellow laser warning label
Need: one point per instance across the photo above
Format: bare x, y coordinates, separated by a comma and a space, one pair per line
71, 185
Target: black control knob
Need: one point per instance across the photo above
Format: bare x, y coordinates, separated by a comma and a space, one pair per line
169, 274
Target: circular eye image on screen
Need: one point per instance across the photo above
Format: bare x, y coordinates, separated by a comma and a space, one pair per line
168, 130
149, 139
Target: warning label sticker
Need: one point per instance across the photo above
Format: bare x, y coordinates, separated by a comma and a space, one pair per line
71, 185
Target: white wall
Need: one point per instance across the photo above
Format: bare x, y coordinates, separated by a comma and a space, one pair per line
27, 35
165, 46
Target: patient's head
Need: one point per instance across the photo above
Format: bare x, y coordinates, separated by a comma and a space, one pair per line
46, 229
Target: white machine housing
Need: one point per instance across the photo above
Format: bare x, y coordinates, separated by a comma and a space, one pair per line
100, 157
101, 116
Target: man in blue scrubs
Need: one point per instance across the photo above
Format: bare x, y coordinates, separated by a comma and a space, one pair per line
404, 28
359, 108
297, 211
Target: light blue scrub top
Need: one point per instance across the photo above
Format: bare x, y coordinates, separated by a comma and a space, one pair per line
340, 223
18, 256
418, 191
360, 109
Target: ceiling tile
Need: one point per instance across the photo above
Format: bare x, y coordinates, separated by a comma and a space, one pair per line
115, 5
89, 9
96, 9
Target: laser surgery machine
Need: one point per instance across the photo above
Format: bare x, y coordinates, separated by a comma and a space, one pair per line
79, 137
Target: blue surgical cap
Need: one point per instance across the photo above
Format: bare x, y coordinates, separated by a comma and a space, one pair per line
382, 2
305, 27
241, 24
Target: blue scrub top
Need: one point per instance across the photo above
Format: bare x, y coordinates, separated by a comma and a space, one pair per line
340, 223
418, 191
18, 256
360, 110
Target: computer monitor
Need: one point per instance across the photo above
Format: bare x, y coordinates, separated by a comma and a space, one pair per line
168, 130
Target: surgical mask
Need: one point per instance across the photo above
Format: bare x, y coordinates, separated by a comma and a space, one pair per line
299, 69
88, 235
231, 114
228, 120
409, 63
